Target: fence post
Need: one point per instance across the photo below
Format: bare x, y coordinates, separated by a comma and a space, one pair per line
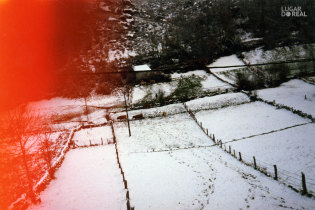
221, 143
224, 147
304, 190
234, 152
213, 137
255, 166
240, 154
128, 204
207, 132
276, 172
127, 195
102, 141
230, 149
125, 183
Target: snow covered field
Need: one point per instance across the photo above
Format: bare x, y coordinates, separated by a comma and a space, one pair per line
292, 94
209, 82
218, 101
231, 60
88, 136
244, 120
291, 150
89, 178
162, 176
161, 133
148, 92
279, 54
226, 74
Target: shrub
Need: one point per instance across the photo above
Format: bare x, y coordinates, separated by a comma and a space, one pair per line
188, 87
246, 81
278, 74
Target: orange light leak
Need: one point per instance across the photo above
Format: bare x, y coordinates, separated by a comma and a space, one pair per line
26, 50
35, 35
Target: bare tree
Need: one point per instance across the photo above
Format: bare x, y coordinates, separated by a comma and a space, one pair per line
21, 126
47, 149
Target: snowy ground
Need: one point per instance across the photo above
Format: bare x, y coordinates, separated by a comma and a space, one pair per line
227, 74
292, 94
89, 178
291, 150
195, 178
161, 133
218, 101
98, 135
231, 60
246, 120
153, 112
279, 54
148, 92
209, 82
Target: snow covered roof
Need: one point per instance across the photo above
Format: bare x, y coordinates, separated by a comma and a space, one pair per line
144, 67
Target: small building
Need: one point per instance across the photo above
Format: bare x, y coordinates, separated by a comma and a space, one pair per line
142, 72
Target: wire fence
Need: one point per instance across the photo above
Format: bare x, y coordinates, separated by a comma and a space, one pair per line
297, 182
129, 207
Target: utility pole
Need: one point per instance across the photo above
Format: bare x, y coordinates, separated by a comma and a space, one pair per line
127, 113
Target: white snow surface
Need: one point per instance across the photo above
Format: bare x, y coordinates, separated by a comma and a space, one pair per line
244, 120
140, 92
292, 150
292, 94
217, 101
211, 83
195, 178
160, 133
95, 135
89, 178
231, 60
200, 73
279, 54
153, 112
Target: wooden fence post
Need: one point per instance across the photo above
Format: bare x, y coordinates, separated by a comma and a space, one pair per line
128, 205
240, 154
102, 141
221, 143
234, 152
224, 147
127, 194
255, 166
230, 149
304, 189
125, 183
207, 132
276, 172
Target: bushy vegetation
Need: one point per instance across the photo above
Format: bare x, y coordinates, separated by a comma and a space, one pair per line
247, 81
278, 73
199, 31
188, 87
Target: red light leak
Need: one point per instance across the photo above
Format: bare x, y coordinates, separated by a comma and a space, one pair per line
37, 37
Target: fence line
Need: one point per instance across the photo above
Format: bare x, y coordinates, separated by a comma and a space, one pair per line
292, 180
129, 207
23, 202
